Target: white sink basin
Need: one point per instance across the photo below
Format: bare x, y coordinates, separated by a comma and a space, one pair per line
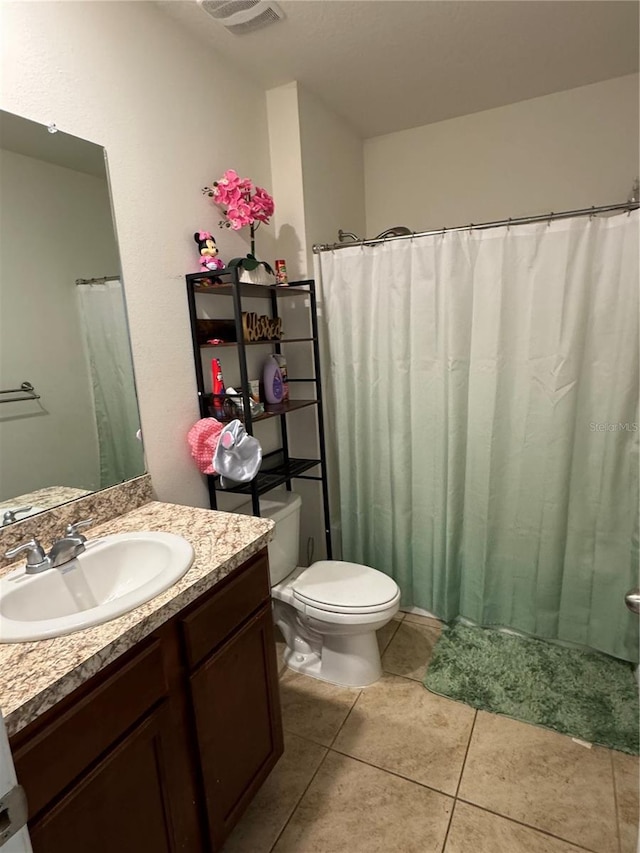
113, 576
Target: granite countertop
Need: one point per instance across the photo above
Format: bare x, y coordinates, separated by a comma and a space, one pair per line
45, 498
34, 676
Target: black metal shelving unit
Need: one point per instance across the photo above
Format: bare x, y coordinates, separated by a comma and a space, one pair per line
278, 467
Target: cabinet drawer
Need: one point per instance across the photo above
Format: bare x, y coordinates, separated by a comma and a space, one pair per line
59, 752
224, 612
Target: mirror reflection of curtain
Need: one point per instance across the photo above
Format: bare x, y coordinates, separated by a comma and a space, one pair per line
104, 321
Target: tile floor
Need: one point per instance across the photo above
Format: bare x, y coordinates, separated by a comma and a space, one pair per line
395, 769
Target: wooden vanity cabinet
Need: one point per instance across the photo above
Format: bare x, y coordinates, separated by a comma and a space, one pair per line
164, 749
236, 705
123, 803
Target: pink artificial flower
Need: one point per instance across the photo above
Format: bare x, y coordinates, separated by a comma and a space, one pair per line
239, 216
234, 197
221, 194
258, 214
234, 193
230, 189
262, 205
225, 187
230, 179
265, 199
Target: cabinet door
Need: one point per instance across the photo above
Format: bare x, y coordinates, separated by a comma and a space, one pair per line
239, 730
121, 805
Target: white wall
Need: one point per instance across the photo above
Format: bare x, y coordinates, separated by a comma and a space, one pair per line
318, 181
56, 227
333, 183
172, 117
332, 172
568, 150
286, 174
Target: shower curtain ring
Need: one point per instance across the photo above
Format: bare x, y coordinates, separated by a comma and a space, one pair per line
551, 215
509, 224
444, 231
593, 213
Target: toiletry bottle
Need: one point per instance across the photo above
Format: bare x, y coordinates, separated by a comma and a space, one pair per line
272, 379
282, 364
217, 389
281, 273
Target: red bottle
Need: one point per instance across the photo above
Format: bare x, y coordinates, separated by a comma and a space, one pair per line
217, 382
281, 273
217, 390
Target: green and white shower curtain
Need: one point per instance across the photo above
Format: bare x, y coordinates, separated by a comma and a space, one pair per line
483, 401
106, 333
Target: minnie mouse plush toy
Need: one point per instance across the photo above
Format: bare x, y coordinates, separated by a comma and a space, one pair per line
209, 259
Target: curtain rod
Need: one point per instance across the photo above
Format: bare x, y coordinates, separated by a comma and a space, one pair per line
547, 217
98, 280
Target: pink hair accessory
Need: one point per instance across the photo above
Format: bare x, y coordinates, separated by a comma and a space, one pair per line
203, 440
225, 450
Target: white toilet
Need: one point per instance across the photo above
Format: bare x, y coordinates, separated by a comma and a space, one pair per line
328, 613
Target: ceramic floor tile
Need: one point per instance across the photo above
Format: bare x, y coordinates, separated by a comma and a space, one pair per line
314, 709
274, 803
409, 652
385, 635
355, 808
398, 725
543, 779
417, 619
473, 829
625, 771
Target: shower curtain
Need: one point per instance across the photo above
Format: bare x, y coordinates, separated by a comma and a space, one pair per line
104, 322
484, 399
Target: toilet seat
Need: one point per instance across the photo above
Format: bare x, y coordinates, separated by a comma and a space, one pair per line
334, 586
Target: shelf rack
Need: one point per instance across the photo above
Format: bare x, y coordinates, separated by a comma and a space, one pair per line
278, 467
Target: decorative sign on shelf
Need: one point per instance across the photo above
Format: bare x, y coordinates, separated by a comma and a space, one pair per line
261, 328
254, 328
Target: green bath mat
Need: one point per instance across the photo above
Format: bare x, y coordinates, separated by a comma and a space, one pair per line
583, 694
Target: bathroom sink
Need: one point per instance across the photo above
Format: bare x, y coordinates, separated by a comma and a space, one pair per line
114, 575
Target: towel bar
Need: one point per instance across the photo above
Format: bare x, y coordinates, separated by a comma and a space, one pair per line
25, 388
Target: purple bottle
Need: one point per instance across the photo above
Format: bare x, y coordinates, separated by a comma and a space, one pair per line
272, 380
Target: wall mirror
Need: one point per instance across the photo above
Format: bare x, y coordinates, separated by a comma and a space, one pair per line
69, 422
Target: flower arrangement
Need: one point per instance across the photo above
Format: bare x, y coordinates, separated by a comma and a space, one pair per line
242, 204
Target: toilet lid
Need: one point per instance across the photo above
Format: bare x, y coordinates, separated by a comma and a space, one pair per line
349, 585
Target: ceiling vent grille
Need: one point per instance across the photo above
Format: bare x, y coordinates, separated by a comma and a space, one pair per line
243, 16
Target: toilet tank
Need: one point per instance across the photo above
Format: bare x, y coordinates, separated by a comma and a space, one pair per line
284, 509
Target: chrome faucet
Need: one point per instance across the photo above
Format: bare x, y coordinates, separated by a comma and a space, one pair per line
37, 560
10, 516
70, 546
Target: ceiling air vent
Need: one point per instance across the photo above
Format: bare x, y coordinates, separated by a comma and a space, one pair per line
243, 16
